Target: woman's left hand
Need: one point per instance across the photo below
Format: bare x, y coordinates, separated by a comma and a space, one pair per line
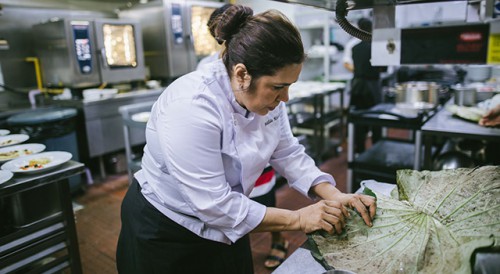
364, 204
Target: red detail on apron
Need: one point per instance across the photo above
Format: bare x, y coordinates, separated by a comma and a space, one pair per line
265, 178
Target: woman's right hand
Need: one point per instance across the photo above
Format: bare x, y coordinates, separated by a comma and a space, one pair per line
326, 215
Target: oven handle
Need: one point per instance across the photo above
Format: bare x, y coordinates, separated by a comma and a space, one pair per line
103, 56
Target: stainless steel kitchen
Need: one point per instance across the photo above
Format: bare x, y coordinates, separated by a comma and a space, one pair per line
349, 136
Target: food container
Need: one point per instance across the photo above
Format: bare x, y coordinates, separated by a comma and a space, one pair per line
464, 96
415, 92
478, 73
412, 97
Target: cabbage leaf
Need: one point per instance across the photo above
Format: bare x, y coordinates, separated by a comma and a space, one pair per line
441, 217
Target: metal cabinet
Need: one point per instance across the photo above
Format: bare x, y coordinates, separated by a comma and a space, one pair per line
47, 242
100, 127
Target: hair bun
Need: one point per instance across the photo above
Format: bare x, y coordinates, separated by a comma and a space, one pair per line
230, 22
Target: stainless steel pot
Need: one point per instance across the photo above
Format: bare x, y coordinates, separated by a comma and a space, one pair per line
417, 92
464, 96
417, 96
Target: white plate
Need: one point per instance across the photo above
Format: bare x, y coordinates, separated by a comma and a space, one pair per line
12, 139
141, 117
4, 132
5, 175
22, 150
55, 158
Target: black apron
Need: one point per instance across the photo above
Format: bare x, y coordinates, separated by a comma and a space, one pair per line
150, 242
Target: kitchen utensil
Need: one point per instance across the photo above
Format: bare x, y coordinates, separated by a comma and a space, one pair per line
12, 152
417, 96
12, 139
478, 73
5, 175
51, 159
339, 271
410, 92
475, 149
453, 160
464, 96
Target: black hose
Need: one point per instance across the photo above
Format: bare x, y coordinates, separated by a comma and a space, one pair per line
340, 14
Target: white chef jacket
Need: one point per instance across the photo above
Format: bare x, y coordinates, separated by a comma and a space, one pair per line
204, 153
347, 57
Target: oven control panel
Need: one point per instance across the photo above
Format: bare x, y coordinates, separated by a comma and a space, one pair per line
82, 44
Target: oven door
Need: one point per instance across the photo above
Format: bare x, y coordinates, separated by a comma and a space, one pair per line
119, 44
202, 43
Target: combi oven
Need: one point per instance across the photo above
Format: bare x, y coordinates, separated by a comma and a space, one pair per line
83, 53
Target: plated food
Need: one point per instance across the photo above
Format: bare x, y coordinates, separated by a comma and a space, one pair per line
12, 152
4, 132
36, 163
5, 175
12, 139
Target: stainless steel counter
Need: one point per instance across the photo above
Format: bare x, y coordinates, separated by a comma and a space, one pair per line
102, 127
443, 123
299, 262
48, 243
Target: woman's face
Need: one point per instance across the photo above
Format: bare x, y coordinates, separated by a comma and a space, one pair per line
267, 92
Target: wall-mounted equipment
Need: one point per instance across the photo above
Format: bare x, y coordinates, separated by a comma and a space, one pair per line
175, 35
82, 53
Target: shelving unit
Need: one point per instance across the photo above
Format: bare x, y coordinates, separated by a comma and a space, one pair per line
384, 158
318, 28
314, 26
45, 242
313, 115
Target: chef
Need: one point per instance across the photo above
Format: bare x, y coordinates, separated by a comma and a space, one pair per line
210, 135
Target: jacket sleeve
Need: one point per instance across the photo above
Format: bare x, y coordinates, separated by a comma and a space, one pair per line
190, 135
291, 161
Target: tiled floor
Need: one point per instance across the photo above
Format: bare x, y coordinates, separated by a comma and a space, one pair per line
98, 223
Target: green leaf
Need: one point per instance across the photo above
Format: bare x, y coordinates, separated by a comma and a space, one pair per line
369, 192
440, 219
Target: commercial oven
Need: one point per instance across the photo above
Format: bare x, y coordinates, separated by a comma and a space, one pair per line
82, 53
175, 35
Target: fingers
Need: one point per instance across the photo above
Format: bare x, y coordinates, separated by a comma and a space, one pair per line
360, 207
325, 215
366, 206
337, 209
371, 203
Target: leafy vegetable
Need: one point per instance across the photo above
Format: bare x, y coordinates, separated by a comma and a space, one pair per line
440, 219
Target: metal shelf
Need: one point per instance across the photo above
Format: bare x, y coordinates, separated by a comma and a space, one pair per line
318, 123
385, 157
48, 244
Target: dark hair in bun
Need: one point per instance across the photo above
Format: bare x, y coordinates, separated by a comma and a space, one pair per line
231, 21
214, 17
264, 43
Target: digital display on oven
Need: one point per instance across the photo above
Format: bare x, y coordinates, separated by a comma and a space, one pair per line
82, 46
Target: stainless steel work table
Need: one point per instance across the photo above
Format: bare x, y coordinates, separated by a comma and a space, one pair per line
47, 244
444, 124
299, 262
100, 126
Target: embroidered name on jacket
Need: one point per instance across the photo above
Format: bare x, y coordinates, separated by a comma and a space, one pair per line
271, 120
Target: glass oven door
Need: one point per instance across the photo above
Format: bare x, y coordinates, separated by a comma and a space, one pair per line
120, 47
